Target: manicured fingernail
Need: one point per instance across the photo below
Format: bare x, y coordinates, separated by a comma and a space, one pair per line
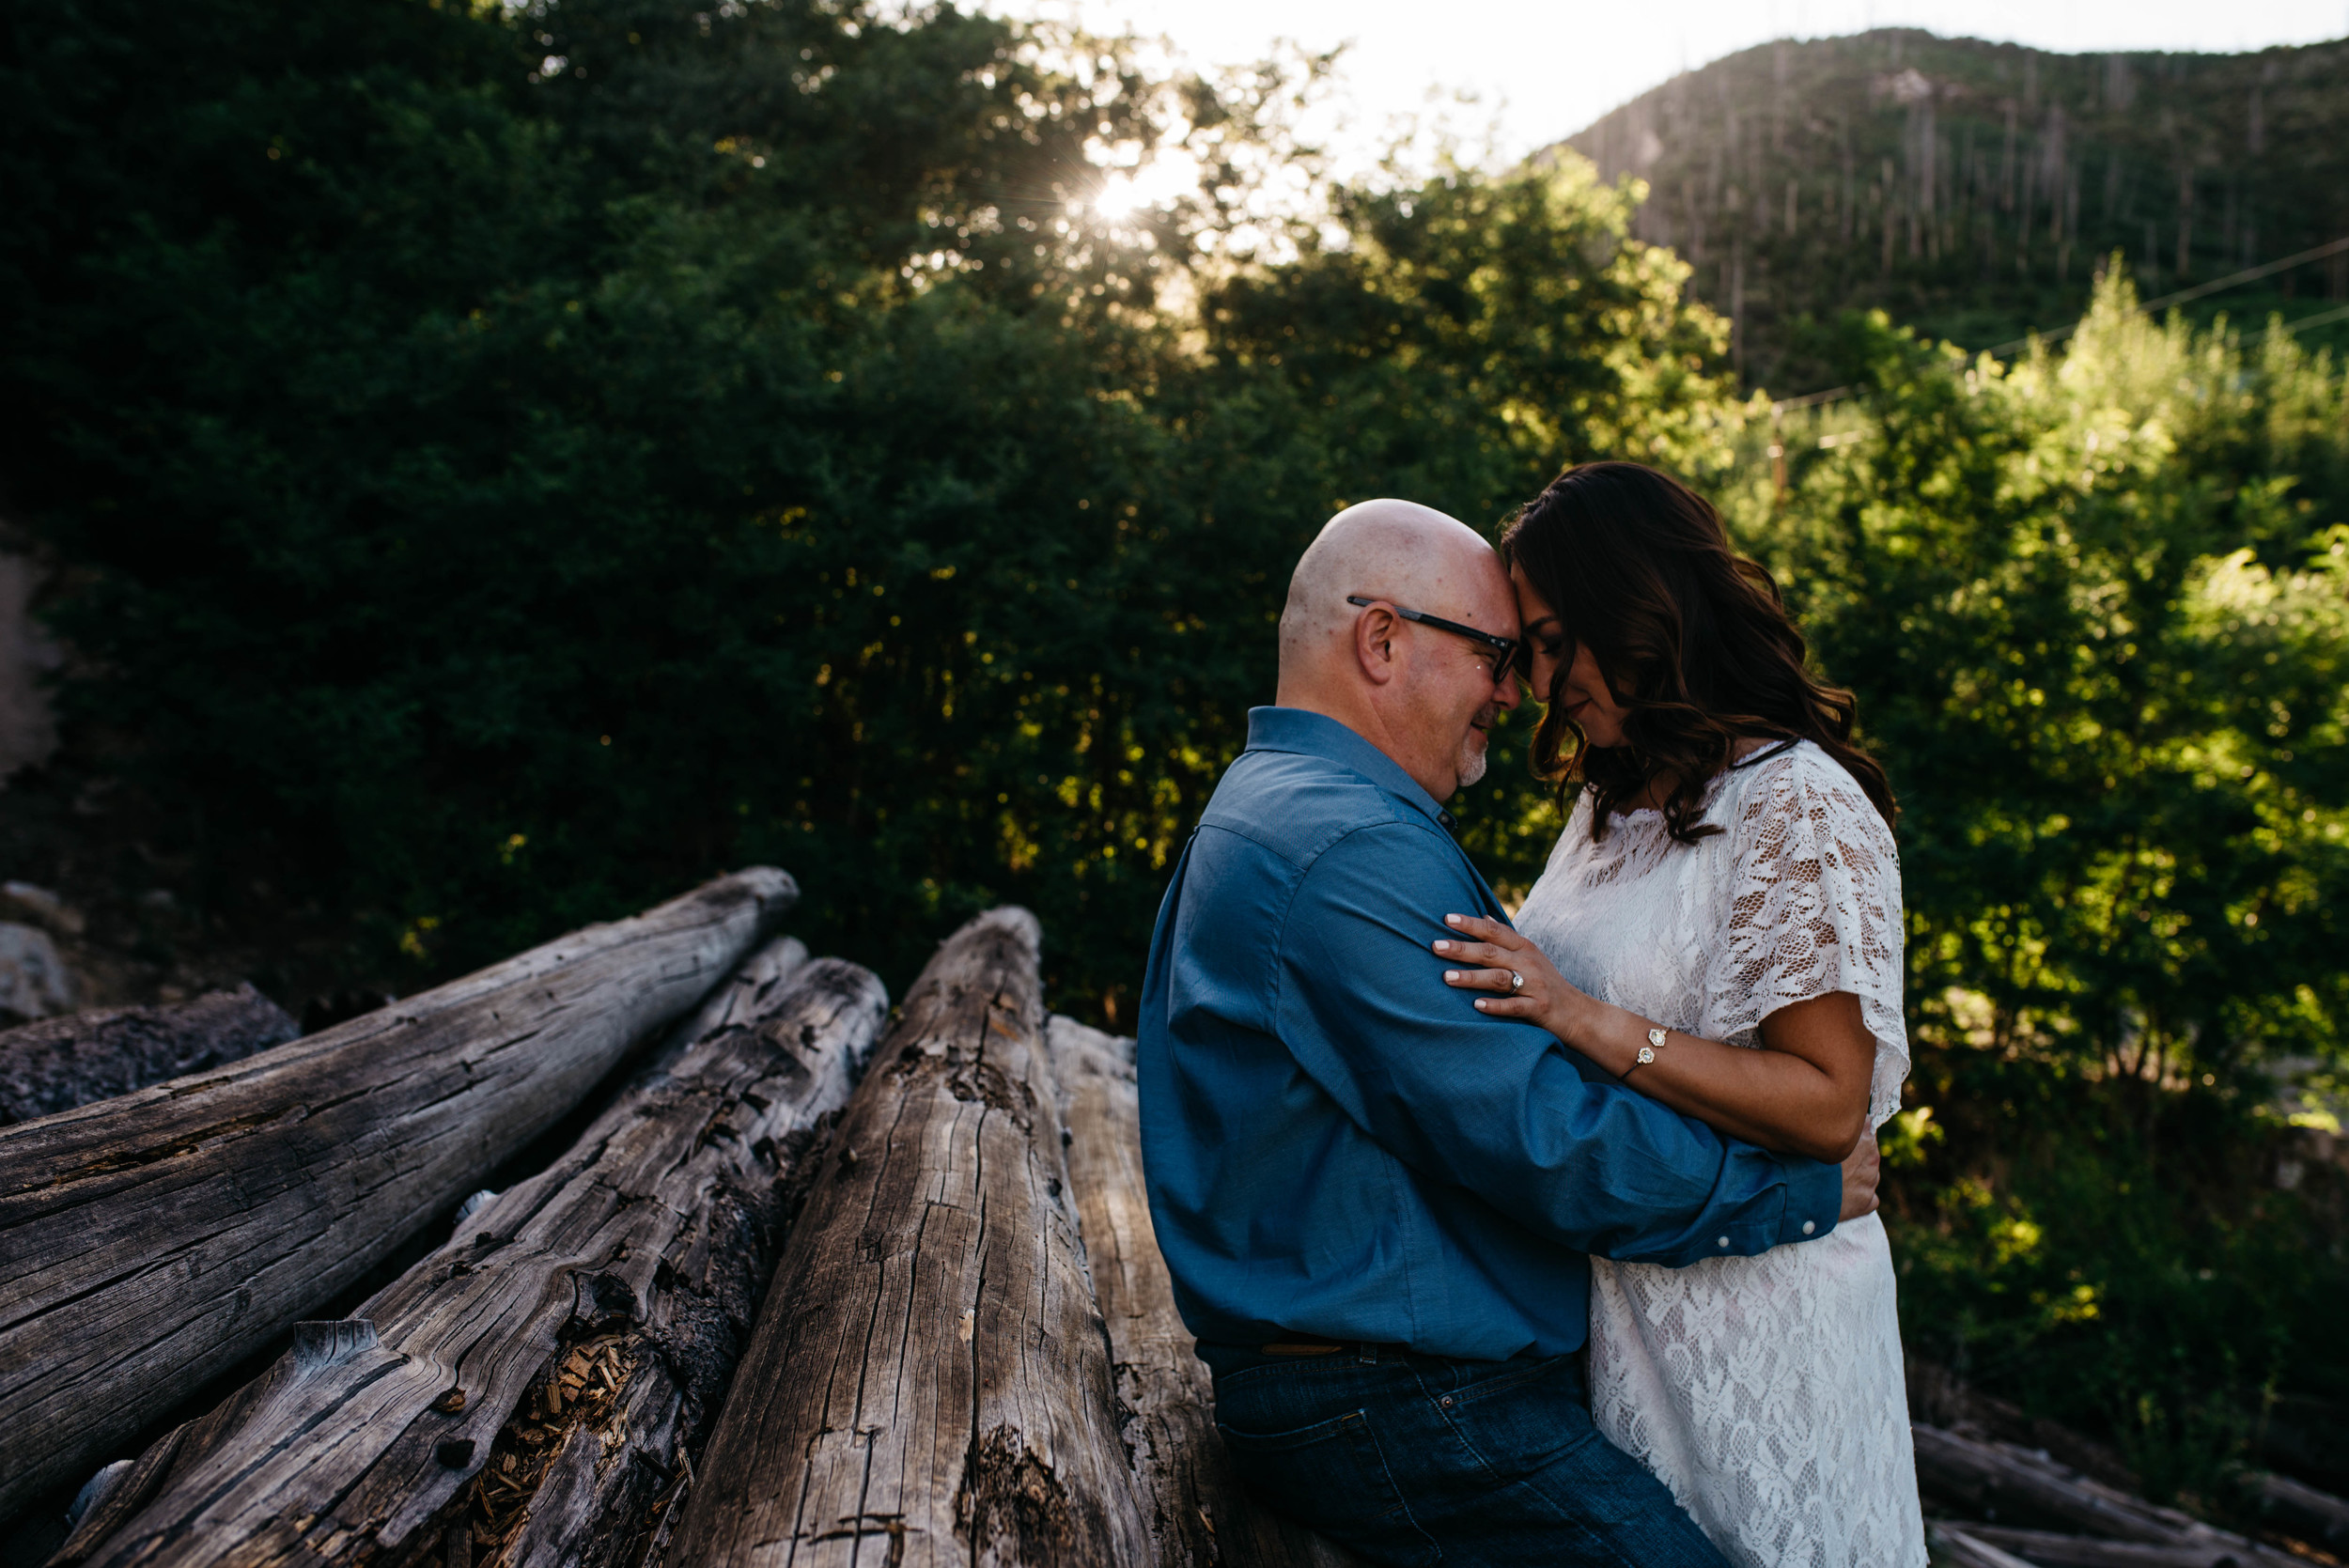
1455, 920
1443, 947
1482, 1004
1453, 974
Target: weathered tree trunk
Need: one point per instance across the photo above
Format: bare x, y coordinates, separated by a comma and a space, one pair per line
58, 1063
150, 1242
928, 1373
2018, 1487
1190, 1503
562, 1346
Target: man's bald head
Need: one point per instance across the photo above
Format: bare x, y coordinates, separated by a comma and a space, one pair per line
1399, 551
1422, 695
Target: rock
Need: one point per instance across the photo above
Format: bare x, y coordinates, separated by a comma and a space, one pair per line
34, 981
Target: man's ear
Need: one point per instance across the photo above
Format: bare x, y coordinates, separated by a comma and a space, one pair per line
1374, 644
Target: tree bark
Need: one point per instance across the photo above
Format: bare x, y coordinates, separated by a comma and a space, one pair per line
563, 1347
1191, 1504
148, 1243
58, 1063
929, 1373
2018, 1487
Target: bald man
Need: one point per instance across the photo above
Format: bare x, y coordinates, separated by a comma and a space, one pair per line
1378, 1204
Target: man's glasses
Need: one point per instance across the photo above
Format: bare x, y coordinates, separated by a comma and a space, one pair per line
1504, 648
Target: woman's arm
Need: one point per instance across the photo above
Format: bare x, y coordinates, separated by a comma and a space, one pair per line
1804, 1092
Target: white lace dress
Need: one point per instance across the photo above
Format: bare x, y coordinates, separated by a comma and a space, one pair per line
1766, 1393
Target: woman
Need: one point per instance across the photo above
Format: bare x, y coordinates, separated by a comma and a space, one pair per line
1720, 926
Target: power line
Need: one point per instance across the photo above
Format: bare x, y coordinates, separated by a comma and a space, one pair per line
2249, 274
2321, 318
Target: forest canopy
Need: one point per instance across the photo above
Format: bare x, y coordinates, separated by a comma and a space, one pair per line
502, 465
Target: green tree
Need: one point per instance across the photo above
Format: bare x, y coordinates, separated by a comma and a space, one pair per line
2096, 609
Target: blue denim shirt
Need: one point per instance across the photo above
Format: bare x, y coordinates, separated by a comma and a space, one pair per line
1338, 1143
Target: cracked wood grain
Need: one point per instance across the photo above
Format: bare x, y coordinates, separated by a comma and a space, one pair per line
928, 1382
1195, 1508
559, 1350
150, 1242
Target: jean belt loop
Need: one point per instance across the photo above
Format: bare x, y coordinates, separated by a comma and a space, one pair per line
1370, 1355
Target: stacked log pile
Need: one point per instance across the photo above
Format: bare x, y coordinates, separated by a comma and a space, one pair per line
562, 1346
2018, 1504
769, 1306
929, 1371
148, 1243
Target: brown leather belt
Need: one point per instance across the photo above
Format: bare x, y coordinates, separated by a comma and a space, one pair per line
1309, 1344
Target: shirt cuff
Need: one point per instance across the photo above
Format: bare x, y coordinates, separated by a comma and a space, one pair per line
1815, 1196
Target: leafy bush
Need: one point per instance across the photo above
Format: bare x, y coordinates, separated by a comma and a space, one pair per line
2096, 609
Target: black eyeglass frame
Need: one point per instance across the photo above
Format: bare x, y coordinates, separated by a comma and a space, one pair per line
1505, 646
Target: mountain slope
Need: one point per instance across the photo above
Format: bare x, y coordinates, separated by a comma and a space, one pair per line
1973, 189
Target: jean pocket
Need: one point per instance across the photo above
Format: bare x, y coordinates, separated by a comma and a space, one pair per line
1518, 1420
1332, 1477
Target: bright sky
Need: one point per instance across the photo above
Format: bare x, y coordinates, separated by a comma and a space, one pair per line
1542, 70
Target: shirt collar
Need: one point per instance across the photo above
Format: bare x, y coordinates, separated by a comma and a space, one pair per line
1316, 734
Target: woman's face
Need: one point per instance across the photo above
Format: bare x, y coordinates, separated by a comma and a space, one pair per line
1587, 700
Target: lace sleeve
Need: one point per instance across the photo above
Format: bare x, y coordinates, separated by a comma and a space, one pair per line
1814, 908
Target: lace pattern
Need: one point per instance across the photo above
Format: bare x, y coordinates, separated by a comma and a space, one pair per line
1766, 1393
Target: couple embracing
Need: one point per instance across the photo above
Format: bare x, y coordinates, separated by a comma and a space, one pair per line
1407, 1162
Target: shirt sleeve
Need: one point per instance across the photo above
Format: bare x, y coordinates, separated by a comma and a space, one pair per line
1498, 1106
1814, 908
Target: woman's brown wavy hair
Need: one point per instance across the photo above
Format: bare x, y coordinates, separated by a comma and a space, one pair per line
1693, 639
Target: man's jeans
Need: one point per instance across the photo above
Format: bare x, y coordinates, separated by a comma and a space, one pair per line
1410, 1459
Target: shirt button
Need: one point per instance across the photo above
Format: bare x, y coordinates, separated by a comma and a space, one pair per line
1808, 1226
1725, 1241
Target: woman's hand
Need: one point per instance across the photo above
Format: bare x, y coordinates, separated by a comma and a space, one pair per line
1521, 982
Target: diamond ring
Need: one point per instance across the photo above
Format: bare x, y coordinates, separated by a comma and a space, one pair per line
1517, 981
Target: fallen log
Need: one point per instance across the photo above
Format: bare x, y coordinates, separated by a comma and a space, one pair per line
929, 1372
1955, 1546
58, 1063
562, 1347
2016, 1486
1191, 1503
2300, 1510
2047, 1549
1940, 1398
148, 1243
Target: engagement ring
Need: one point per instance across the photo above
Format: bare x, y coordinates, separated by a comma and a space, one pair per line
1517, 981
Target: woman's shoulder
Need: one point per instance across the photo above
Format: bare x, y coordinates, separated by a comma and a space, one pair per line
1786, 780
